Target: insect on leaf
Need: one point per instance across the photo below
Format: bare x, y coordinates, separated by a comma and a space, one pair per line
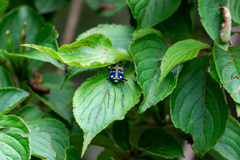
91, 108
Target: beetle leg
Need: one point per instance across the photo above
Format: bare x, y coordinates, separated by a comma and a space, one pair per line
128, 67
108, 91
123, 93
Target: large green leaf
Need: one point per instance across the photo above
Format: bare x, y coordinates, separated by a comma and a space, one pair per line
150, 12
119, 35
229, 144
106, 7
157, 142
93, 51
212, 19
73, 70
40, 143
13, 121
91, 108
30, 113
14, 20
120, 133
14, 146
10, 98
180, 25
5, 79
234, 7
46, 6
180, 52
58, 100
71, 154
148, 49
3, 6
58, 133
198, 105
228, 68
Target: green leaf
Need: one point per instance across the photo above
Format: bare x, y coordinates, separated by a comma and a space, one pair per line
47, 36
10, 98
5, 79
58, 100
13, 121
46, 6
41, 144
212, 19
106, 7
198, 105
229, 144
234, 7
180, 52
120, 132
36, 55
30, 113
102, 139
14, 20
93, 51
71, 154
3, 6
228, 68
14, 146
90, 102
238, 109
119, 35
107, 155
213, 70
150, 12
58, 133
152, 142
180, 25
147, 50
47, 50
216, 155
72, 71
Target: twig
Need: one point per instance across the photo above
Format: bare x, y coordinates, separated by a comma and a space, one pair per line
72, 21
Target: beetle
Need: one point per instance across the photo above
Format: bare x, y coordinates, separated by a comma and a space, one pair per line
117, 75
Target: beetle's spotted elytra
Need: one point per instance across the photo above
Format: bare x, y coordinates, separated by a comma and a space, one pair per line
116, 75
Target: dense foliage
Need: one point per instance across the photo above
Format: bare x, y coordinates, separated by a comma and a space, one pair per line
183, 68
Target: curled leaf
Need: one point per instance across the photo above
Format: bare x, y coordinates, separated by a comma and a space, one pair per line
225, 32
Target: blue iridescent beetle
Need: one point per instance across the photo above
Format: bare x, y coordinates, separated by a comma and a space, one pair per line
116, 75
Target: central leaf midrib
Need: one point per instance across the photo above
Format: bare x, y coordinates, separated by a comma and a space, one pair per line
204, 96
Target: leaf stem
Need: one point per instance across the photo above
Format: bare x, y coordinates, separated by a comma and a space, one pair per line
22, 38
9, 42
